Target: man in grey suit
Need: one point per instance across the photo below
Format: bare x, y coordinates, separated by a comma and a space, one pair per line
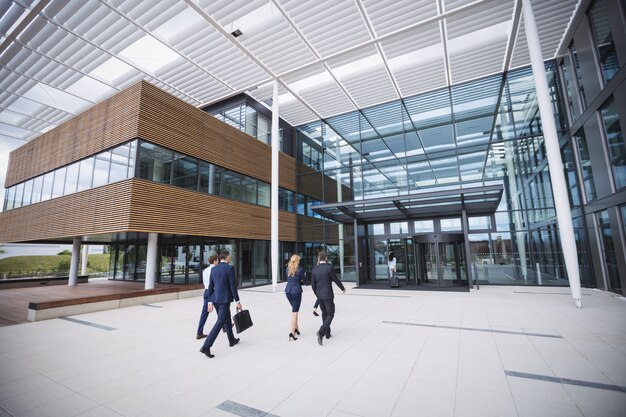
322, 278
222, 292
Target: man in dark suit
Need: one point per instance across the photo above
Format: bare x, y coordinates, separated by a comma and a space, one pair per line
322, 278
222, 292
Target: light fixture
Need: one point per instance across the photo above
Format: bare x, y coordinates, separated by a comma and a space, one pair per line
236, 33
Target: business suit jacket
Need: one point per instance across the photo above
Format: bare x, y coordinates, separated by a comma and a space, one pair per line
322, 278
223, 286
294, 284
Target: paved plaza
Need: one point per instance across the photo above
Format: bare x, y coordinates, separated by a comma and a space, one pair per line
497, 351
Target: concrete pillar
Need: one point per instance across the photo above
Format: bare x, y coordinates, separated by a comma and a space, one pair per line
151, 260
274, 189
553, 151
73, 279
84, 258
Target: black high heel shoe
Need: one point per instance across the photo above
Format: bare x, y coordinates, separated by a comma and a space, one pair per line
298, 332
291, 336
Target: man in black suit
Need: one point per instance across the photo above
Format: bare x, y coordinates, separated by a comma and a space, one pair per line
222, 292
322, 278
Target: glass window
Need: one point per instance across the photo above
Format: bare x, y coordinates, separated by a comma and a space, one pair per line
37, 183
205, 171
59, 182
605, 46
376, 229
248, 189
479, 223
264, 196
119, 168
155, 163
101, 169
285, 198
423, 226
185, 172
250, 115
231, 185
450, 225
398, 228
71, 178
615, 140
570, 175
585, 162
19, 193
10, 199
579, 76
264, 129
28, 192
301, 204
46, 188
131, 158
86, 174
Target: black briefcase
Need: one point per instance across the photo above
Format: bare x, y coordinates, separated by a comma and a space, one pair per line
242, 320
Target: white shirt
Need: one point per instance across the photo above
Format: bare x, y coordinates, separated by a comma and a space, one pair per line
206, 276
392, 264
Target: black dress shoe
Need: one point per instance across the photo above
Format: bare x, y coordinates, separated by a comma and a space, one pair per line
207, 352
320, 338
200, 336
328, 336
234, 342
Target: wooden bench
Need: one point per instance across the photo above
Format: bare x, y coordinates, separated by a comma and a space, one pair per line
69, 307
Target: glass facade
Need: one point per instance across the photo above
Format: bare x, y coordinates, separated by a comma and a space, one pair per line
483, 133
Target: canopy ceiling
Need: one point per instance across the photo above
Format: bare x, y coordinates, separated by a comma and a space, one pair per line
59, 57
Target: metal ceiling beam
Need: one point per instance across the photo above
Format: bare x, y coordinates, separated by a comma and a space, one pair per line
34, 12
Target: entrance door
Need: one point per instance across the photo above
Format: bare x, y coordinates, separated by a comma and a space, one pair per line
440, 260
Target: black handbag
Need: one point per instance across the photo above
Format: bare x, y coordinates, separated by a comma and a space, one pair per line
242, 320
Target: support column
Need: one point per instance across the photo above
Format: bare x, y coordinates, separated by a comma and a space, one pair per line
83, 264
274, 188
151, 260
553, 151
357, 267
73, 278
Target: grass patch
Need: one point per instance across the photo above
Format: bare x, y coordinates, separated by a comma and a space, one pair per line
38, 264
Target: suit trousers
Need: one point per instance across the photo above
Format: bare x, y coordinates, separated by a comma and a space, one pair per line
205, 313
223, 322
328, 313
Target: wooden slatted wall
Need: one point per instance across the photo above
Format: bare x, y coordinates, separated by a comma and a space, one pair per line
100, 210
105, 125
165, 209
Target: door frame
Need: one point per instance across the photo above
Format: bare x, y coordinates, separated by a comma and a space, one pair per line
438, 238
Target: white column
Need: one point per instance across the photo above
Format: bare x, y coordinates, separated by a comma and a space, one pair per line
83, 263
73, 279
274, 188
151, 260
553, 151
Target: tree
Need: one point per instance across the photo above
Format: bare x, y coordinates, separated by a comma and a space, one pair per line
64, 252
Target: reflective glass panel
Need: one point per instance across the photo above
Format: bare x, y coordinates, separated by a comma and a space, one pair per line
479, 223
424, 226
9, 201
28, 192
46, 188
231, 185
248, 189
71, 178
86, 174
19, 193
155, 163
398, 228
38, 182
585, 162
450, 225
603, 37
376, 229
264, 194
615, 139
101, 169
185, 173
59, 182
120, 163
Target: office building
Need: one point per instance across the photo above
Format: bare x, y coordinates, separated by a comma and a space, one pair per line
418, 128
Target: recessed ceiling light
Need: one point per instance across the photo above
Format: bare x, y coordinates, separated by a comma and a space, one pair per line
236, 33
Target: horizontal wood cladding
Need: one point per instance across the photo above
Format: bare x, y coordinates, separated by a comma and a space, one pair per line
136, 205
105, 125
100, 210
172, 123
165, 209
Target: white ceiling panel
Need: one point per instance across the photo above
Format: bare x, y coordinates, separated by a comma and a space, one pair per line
81, 51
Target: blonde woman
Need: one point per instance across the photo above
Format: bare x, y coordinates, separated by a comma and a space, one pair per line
293, 290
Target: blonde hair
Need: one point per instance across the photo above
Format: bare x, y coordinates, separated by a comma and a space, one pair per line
293, 264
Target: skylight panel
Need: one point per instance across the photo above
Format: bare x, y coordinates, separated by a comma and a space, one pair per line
90, 89
10, 117
111, 70
179, 24
14, 131
58, 99
26, 107
149, 54
361, 65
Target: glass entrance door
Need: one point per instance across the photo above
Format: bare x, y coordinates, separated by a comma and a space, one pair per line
440, 260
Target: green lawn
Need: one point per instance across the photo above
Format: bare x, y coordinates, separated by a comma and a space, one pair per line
49, 263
